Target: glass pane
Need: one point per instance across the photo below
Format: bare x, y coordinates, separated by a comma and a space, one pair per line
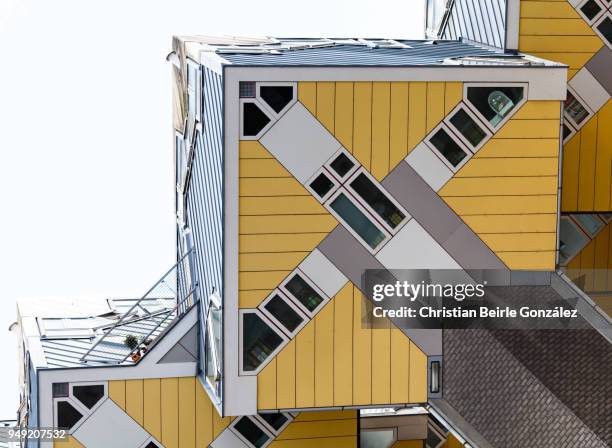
448, 147
251, 432
468, 127
321, 185
67, 415
283, 312
571, 241
60, 390
277, 97
302, 291
258, 341
379, 438
88, 395
213, 349
276, 421
359, 222
342, 165
591, 223
575, 109
254, 120
376, 199
605, 28
495, 103
567, 131
246, 89
590, 9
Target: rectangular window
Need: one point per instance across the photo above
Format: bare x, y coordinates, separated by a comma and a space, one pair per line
378, 201
276, 422
251, 432
304, 293
283, 313
468, 128
575, 111
448, 147
571, 240
259, 341
604, 29
357, 220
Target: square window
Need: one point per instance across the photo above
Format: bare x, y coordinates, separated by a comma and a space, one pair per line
495, 103
590, 9
246, 89
60, 390
322, 185
468, 128
447, 147
342, 165
605, 29
251, 432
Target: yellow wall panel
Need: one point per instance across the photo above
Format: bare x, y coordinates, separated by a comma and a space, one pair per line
325, 415
398, 133
204, 415
319, 429
362, 125
286, 224
529, 129
279, 205
304, 366
544, 261
269, 242
453, 94
271, 187
343, 119
187, 412
547, 10
555, 27
418, 375
568, 43
381, 363
400, 365
511, 205
219, 424
362, 351
252, 149
307, 95
326, 429
152, 407
285, 374
262, 168
343, 346
116, 392
499, 186
326, 104
381, 110
586, 171
324, 356
603, 159
408, 444
134, 405
266, 387
417, 111
539, 110
519, 147
483, 224
70, 442
435, 104
260, 280
326, 442
270, 261
169, 412
513, 167
519, 242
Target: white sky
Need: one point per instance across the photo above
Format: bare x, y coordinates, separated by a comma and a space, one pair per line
85, 135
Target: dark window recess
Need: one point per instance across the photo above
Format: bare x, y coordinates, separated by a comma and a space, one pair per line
434, 377
253, 119
495, 103
251, 432
303, 292
468, 127
152, 445
590, 9
60, 390
575, 109
605, 28
433, 439
277, 97
357, 220
376, 199
247, 89
67, 415
566, 131
275, 421
321, 185
258, 341
448, 147
88, 395
283, 312
342, 165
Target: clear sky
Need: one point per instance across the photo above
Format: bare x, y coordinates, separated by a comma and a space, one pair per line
86, 183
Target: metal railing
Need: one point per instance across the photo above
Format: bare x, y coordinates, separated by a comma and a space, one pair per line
137, 329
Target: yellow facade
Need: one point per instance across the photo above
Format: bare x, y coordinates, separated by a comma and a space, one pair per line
334, 361
325, 429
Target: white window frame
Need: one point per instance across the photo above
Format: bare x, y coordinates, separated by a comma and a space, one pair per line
584, 230
343, 190
284, 342
446, 128
295, 300
276, 432
596, 24
294, 100
330, 192
357, 197
257, 422
294, 307
264, 109
476, 119
570, 127
77, 405
473, 108
567, 117
216, 301
594, 19
336, 176
579, 229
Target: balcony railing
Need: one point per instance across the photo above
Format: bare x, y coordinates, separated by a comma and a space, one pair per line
137, 329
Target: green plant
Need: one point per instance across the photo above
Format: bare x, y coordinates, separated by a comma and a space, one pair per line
131, 341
